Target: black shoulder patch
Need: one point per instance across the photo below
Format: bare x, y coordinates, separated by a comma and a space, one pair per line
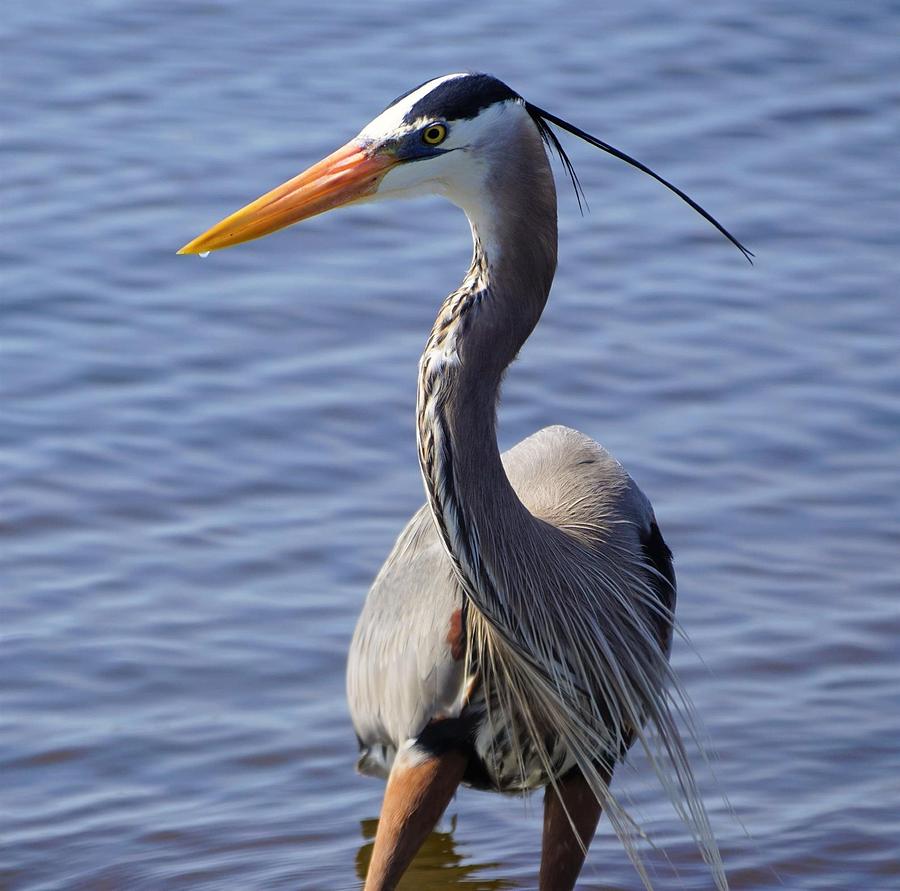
662, 580
461, 98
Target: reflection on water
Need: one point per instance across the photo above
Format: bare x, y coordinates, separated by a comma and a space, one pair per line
438, 865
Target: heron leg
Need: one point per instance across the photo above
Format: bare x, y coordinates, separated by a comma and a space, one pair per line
418, 791
562, 854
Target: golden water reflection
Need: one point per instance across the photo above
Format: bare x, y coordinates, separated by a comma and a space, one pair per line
438, 865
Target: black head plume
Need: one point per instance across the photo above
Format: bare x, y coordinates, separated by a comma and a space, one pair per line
543, 119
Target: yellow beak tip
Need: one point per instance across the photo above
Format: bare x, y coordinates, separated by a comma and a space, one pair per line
188, 249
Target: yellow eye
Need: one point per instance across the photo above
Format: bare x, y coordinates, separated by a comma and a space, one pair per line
434, 134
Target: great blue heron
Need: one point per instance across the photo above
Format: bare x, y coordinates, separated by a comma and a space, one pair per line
518, 635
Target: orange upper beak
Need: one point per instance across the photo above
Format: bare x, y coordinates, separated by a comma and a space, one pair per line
347, 175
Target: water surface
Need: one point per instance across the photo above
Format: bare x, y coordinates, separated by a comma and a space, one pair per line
203, 464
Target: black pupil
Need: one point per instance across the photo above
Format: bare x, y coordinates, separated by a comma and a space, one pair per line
433, 134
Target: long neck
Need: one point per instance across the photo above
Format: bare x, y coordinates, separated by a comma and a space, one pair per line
478, 331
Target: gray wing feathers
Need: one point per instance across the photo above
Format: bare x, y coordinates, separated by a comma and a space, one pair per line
402, 671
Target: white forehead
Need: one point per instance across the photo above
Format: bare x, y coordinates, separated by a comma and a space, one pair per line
391, 119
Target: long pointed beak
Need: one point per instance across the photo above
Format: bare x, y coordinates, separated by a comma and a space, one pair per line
349, 174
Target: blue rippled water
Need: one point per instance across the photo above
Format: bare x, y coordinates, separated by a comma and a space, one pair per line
202, 464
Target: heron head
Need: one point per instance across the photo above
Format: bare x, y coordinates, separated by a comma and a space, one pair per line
456, 135
443, 137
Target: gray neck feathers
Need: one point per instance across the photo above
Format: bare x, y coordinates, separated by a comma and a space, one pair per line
478, 331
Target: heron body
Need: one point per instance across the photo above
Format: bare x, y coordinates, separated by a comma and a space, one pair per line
518, 635
408, 684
